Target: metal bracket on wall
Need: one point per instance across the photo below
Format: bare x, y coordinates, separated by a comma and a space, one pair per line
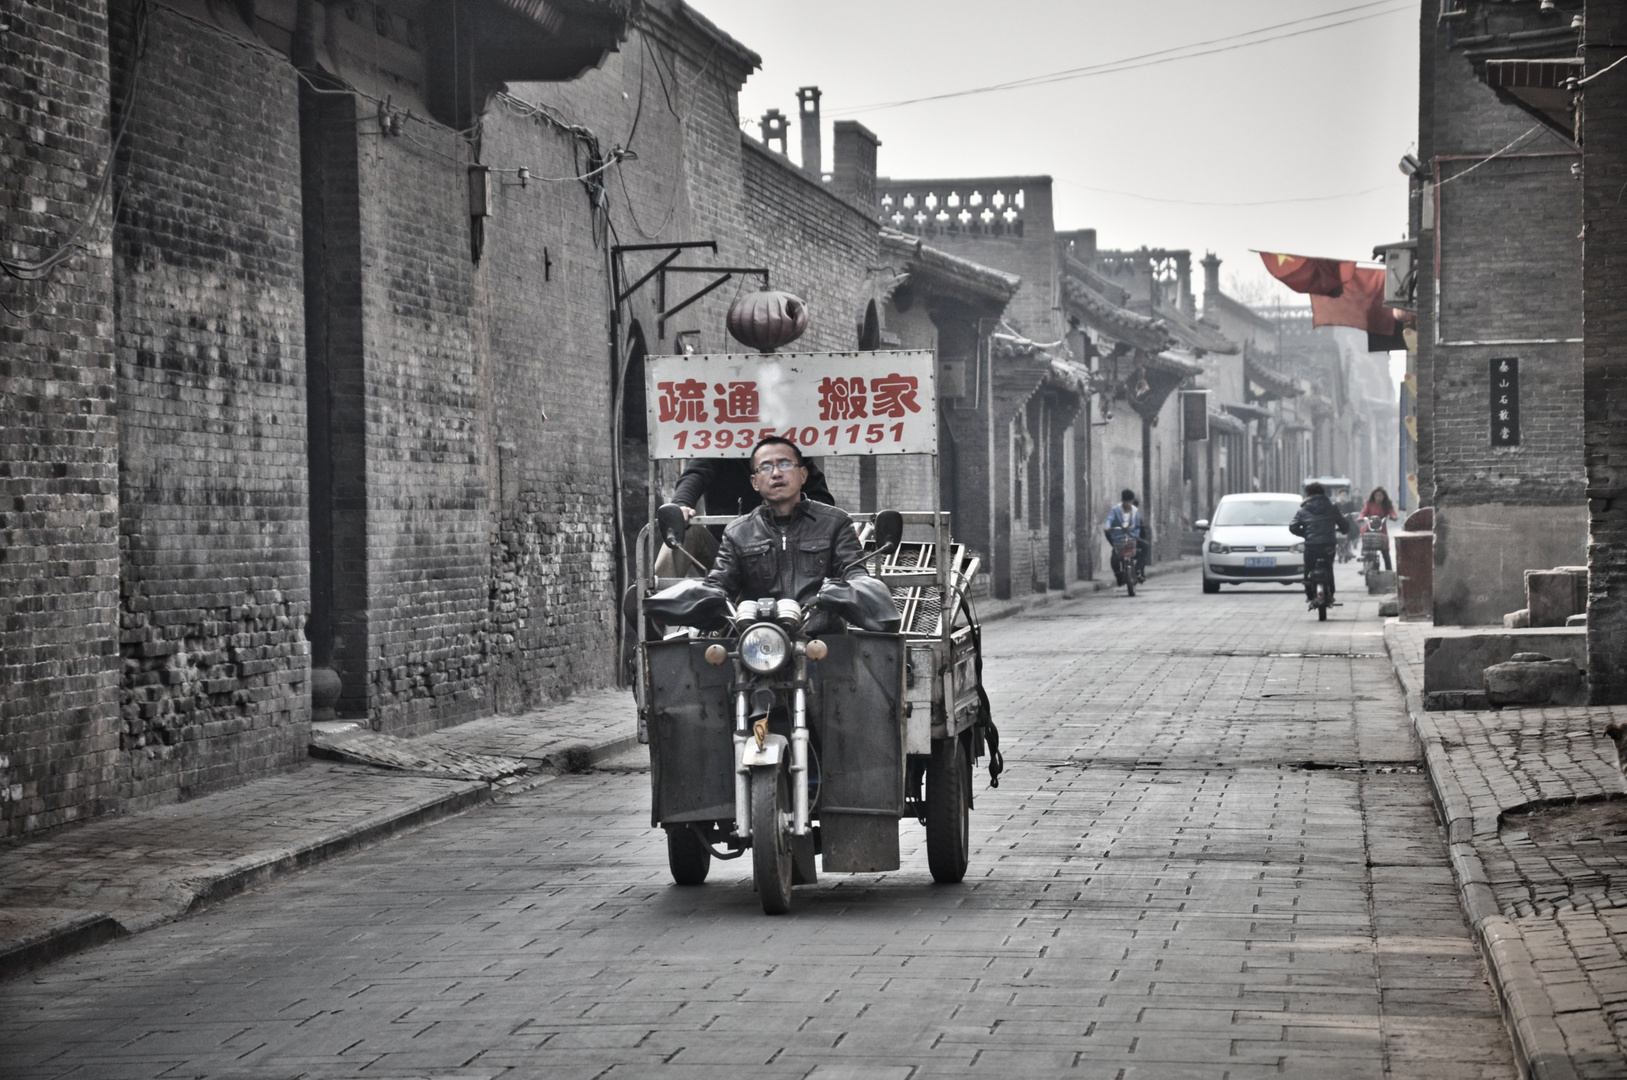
665, 266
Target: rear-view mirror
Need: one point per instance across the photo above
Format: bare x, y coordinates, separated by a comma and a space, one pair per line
669, 518
1201, 524
889, 530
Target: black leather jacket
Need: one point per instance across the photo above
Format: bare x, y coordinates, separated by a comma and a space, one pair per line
725, 483
761, 557
1319, 521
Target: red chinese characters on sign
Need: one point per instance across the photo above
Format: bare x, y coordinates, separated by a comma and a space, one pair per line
894, 394
842, 399
683, 402
738, 404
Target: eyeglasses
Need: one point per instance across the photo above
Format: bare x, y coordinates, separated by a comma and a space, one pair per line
782, 465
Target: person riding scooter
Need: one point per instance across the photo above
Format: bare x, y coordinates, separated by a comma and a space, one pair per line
1124, 519
1319, 522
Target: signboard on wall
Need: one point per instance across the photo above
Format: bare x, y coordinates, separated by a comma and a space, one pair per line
1195, 414
720, 405
1505, 401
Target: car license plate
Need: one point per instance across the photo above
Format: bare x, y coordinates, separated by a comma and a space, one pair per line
1260, 560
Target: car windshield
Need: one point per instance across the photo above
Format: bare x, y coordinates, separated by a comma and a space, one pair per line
1255, 512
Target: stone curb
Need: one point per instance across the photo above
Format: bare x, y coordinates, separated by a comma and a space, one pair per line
1528, 1012
197, 888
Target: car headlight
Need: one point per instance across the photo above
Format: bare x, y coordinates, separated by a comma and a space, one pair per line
1217, 548
764, 648
1298, 549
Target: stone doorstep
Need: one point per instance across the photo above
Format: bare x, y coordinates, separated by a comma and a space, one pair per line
33, 936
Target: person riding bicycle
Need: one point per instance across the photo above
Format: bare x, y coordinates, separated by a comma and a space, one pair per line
1125, 519
1319, 522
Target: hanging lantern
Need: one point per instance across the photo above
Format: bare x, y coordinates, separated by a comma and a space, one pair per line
767, 319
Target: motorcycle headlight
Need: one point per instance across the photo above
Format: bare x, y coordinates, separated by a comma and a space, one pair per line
764, 648
1298, 549
1217, 548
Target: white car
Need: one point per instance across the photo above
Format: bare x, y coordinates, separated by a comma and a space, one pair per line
1248, 540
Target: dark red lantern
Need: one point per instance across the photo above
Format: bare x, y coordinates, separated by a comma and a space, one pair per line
767, 319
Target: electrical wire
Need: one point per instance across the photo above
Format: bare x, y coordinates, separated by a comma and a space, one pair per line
1151, 59
1459, 176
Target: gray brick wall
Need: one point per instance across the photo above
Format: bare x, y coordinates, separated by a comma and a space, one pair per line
59, 659
1510, 284
214, 585
1604, 252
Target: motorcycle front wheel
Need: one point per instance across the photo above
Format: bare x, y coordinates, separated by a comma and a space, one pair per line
771, 838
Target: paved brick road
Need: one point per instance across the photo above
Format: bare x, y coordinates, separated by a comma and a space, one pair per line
1212, 855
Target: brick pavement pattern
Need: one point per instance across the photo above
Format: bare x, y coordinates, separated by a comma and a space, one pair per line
1538, 839
1212, 855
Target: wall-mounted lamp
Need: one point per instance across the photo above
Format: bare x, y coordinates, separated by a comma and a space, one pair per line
1409, 164
687, 342
525, 175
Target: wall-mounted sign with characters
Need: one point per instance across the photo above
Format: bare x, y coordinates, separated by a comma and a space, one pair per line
1505, 401
827, 403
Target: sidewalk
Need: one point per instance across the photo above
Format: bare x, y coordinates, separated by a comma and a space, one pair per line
1537, 832
82, 885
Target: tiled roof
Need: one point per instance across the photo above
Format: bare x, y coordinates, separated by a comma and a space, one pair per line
1120, 324
1196, 335
1274, 381
941, 268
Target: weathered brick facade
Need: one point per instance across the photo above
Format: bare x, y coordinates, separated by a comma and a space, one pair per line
1500, 276
1603, 131
59, 658
211, 403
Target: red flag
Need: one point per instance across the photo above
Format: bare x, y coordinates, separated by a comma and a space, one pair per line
1360, 304
1319, 277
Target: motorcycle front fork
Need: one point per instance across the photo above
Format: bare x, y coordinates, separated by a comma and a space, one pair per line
799, 764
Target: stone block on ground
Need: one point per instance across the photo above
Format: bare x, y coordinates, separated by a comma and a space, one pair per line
1535, 679
1456, 659
1518, 620
1550, 596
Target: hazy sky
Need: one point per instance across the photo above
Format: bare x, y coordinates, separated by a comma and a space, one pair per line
1140, 155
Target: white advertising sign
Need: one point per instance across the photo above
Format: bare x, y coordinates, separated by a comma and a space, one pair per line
827, 403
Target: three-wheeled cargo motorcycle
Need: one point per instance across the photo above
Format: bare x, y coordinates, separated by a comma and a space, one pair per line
800, 735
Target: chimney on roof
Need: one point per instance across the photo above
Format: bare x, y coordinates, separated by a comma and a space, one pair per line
1183, 284
808, 117
775, 129
1211, 286
853, 170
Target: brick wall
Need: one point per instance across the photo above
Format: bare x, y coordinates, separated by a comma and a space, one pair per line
209, 318
58, 441
1509, 274
1604, 252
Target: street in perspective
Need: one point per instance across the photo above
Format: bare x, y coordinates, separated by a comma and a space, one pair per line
1212, 853
677, 538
